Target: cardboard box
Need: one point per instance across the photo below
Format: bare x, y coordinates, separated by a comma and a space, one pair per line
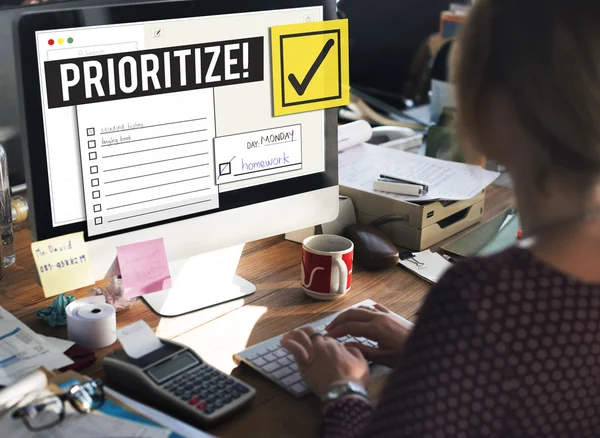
417, 226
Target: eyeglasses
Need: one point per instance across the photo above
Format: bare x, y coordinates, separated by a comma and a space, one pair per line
47, 412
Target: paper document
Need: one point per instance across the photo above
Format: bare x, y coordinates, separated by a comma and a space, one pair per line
430, 266
173, 424
22, 351
76, 425
360, 165
138, 339
60, 344
147, 159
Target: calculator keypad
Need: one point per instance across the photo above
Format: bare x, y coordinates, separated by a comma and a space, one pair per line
206, 389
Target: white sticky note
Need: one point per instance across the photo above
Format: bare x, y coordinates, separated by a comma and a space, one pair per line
138, 339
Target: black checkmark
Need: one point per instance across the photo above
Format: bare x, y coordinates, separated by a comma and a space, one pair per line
301, 87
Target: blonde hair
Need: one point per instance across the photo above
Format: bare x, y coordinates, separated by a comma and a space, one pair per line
544, 55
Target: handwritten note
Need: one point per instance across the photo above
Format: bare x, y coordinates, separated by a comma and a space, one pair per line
63, 263
144, 267
258, 153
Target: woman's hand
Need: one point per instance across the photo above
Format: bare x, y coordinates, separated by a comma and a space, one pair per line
323, 361
377, 324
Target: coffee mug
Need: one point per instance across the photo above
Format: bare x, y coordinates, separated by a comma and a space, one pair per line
326, 271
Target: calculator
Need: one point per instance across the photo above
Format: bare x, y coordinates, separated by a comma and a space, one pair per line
175, 380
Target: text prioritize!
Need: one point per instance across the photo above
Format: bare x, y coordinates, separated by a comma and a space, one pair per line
147, 72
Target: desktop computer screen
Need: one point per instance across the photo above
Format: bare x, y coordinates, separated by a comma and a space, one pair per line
156, 120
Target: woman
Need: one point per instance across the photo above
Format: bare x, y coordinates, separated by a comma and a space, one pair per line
507, 345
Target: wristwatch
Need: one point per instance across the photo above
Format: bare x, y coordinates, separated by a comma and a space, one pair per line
342, 389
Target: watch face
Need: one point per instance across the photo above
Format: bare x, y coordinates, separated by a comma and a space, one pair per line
343, 389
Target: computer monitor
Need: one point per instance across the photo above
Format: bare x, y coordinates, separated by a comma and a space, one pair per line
156, 120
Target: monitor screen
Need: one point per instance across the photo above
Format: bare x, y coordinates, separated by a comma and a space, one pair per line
147, 119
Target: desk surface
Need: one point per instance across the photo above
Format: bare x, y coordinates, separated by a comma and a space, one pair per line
278, 305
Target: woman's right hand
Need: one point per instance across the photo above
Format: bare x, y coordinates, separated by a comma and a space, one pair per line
377, 324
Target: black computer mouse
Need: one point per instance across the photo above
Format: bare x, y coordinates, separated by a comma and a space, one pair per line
373, 250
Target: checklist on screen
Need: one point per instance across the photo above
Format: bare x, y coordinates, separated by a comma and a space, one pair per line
156, 121
147, 159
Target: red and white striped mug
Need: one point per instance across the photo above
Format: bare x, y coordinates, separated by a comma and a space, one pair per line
326, 271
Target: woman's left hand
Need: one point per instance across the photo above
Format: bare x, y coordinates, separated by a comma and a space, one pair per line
323, 361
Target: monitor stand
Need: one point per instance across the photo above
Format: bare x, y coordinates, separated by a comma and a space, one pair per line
201, 281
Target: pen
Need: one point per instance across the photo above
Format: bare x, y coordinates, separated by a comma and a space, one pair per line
450, 259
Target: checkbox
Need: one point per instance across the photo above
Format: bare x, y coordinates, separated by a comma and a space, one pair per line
94, 169
97, 208
93, 155
92, 144
98, 221
96, 194
95, 182
224, 169
91, 131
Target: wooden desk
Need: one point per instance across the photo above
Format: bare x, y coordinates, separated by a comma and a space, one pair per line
278, 305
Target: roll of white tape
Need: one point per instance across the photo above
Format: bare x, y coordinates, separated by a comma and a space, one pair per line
91, 322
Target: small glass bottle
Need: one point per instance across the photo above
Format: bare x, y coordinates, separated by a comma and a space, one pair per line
8, 250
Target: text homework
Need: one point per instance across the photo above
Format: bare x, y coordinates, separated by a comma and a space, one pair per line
148, 72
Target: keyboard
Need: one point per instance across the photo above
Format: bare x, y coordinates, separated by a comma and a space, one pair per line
273, 361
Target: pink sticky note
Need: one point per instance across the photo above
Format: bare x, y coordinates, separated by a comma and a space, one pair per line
144, 268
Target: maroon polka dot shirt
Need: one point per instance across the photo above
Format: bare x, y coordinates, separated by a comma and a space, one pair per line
505, 346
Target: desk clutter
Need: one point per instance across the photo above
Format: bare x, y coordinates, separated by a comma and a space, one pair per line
448, 196
170, 376
70, 405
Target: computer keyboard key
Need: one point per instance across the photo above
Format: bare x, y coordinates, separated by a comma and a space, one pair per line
290, 380
299, 388
263, 352
281, 373
269, 357
273, 347
284, 361
270, 367
294, 366
194, 400
252, 356
281, 353
201, 406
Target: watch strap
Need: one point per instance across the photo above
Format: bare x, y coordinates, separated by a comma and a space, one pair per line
340, 390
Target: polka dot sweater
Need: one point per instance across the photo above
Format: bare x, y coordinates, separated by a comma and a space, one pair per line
505, 346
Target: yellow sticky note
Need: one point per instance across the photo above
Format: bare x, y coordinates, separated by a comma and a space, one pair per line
63, 263
310, 66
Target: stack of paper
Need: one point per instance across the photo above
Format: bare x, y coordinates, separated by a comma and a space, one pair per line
360, 165
23, 351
